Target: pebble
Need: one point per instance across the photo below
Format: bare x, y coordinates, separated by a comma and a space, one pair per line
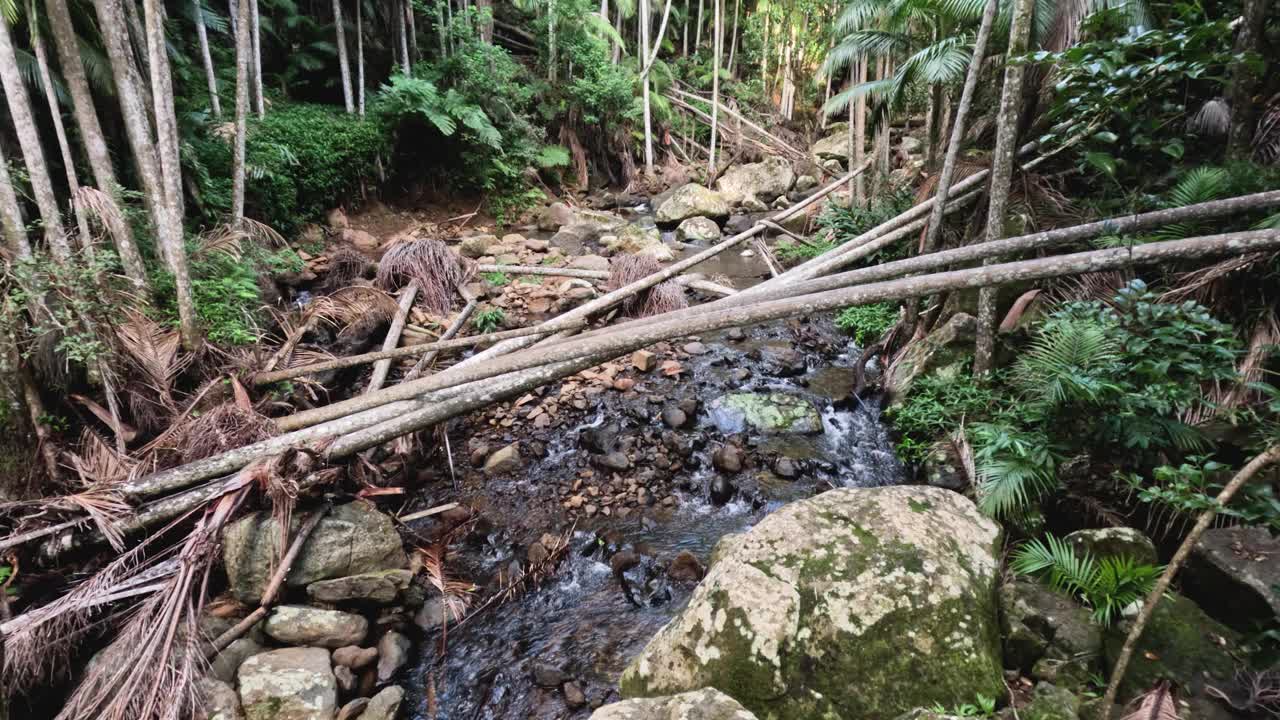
643, 360
623, 560
354, 656
727, 458
573, 696
674, 417
786, 468
546, 675
615, 460
721, 490
685, 567
694, 348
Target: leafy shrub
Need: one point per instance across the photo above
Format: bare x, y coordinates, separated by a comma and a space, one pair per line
1180, 493
838, 225
937, 404
1108, 585
1015, 467
981, 707
488, 320
792, 253
226, 292
867, 322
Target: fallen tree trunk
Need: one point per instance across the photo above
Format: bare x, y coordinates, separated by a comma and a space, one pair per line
382, 367
454, 328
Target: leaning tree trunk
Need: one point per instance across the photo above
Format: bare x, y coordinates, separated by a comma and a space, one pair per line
244, 60
1002, 174
697, 29
67, 46
1244, 78
24, 125
15, 233
344, 66
60, 132
210, 78
644, 80
715, 90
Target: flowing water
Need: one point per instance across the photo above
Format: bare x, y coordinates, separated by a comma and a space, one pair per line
579, 625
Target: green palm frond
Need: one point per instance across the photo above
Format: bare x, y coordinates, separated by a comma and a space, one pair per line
1014, 468
97, 68
1064, 362
603, 29
839, 103
1200, 185
1108, 585
1271, 222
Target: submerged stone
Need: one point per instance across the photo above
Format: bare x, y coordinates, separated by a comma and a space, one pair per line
858, 603
765, 412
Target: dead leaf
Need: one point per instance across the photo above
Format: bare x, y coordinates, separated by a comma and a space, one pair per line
671, 368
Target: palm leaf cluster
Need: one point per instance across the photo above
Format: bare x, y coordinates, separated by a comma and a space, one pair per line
1107, 585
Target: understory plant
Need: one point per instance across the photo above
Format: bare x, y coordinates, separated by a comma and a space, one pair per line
488, 319
1108, 585
867, 322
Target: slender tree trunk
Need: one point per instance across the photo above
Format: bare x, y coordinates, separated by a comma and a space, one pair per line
360, 56
764, 57
733, 36
406, 65
715, 90
441, 28
934, 231
486, 18
934, 130
860, 129
344, 65
411, 24
60, 131
210, 78
644, 79
233, 8
1244, 79
697, 34
15, 92
244, 62
255, 21
15, 231
617, 47
551, 40
880, 148
1002, 175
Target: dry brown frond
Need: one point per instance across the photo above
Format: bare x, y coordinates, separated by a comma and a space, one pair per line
96, 462
1207, 285
345, 264
964, 168
1090, 286
1262, 344
1254, 693
221, 238
432, 265
1155, 704
99, 205
262, 233
663, 297
155, 351
225, 427
1266, 141
354, 303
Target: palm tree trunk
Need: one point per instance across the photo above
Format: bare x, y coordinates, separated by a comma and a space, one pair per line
644, 79
715, 90
933, 131
15, 92
360, 56
15, 233
244, 61
403, 24
733, 35
413, 29
255, 22
881, 145
234, 13
551, 40
210, 78
684, 42
1244, 78
344, 66
617, 47
697, 34
860, 129
1002, 174
60, 131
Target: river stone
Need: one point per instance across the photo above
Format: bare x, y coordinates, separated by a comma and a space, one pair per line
1048, 702
698, 229
228, 661
704, 704
1180, 644
857, 603
554, 216
769, 413
378, 587
384, 705
220, 701
477, 246
832, 147
305, 625
1234, 573
692, 200
944, 348
1037, 621
351, 539
638, 240
1114, 542
764, 181
393, 653
288, 684
504, 460
806, 182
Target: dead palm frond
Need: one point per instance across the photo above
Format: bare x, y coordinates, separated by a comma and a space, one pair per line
223, 239
1266, 140
1213, 119
262, 233
345, 264
1101, 286
1209, 285
663, 297
435, 268
225, 427
667, 296
1255, 693
1155, 704
99, 205
1240, 392
154, 351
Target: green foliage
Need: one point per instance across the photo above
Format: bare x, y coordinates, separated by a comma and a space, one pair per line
405, 98
1108, 585
497, 278
937, 404
981, 707
791, 253
1182, 492
488, 320
838, 225
867, 322
226, 290
1015, 467
69, 302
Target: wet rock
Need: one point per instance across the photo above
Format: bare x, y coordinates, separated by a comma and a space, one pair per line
721, 490
352, 539
638, 240
691, 200
694, 348
786, 468
537, 554
226, 663
503, 461
1181, 644
831, 147
685, 567
705, 704
589, 262
393, 653
554, 216
943, 467
1114, 542
1234, 573
305, 625
345, 678
643, 360
600, 439
677, 443
769, 413
220, 700
380, 587
288, 684
728, 458
898, 586
1049, 702
352, 709
698, 230
616, 461
547, 675
784, 361
763, 181
736, 334
1037, 621
573, 696
805, 182
477, 246
674, 417
385, 705
624, 560
738, 224
432, 615
354, 656
739, 374
945, 347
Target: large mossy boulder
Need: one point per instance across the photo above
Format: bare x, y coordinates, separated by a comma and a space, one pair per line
638, 240
858, 603
352, 539
1180, 644
765, 181
289, 684
768, 413
1114, 542
691, 200
704, 704
832, 147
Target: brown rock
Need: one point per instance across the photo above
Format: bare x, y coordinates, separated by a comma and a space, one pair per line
354, 656
360, 239
643, 360
685, 567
